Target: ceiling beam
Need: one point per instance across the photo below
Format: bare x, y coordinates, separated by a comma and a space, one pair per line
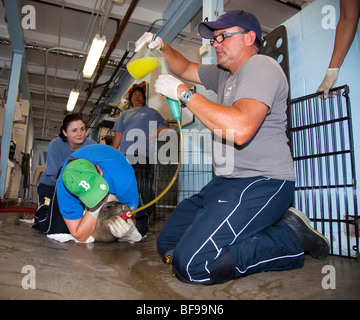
119, 30
13, 19
177, 16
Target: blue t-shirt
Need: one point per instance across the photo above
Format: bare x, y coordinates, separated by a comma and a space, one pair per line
117, 172
136, 126
58, 151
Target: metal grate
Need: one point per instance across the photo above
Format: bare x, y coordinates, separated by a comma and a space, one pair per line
196, 171
321, 141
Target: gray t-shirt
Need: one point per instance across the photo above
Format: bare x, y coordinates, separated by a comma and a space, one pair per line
58, 151
267, 154
136, 126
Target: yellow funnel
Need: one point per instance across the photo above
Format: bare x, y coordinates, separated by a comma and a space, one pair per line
142, 67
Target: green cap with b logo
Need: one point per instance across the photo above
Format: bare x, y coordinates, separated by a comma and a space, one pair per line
81, 178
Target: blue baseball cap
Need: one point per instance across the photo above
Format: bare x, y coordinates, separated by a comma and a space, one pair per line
228, 19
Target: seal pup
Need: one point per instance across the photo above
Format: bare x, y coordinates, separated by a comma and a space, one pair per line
108, 212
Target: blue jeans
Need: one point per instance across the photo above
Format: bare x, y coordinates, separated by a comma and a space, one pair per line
240, 217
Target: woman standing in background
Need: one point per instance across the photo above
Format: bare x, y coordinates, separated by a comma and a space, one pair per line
135, 132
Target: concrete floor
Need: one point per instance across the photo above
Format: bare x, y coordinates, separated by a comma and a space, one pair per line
135, 271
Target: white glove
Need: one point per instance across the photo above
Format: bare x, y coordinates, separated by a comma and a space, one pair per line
124, 230
146, 39
167, 85
329, 81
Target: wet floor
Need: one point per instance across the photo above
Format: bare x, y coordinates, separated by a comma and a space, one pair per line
135, 271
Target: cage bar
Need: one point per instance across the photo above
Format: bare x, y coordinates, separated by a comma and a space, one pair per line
321, 140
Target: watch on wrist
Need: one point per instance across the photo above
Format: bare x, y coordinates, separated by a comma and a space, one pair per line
186, 97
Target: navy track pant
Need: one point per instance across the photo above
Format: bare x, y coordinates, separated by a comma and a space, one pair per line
241, 216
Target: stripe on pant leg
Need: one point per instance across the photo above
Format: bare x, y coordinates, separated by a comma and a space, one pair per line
269, 260
264, 206
226, 220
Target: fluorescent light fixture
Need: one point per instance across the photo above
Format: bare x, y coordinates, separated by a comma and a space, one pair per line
96, 49
74, 95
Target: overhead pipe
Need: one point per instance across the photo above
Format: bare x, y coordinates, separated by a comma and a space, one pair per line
112, 46
90, 118
47, 51
176, 16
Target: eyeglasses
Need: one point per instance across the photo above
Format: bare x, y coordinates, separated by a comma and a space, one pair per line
222, 36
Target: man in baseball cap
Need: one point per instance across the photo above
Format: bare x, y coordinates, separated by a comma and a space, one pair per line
91, 177
232, 18
82, 179
233, 225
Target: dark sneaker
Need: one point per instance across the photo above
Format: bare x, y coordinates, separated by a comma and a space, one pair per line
311, 241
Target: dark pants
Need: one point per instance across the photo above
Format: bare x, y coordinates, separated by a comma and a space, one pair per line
48, 218
145, 176
232, 228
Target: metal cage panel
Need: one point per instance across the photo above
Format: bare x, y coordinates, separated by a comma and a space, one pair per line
321, 141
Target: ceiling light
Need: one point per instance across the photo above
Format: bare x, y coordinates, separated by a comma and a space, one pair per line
74, 95
96, 49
